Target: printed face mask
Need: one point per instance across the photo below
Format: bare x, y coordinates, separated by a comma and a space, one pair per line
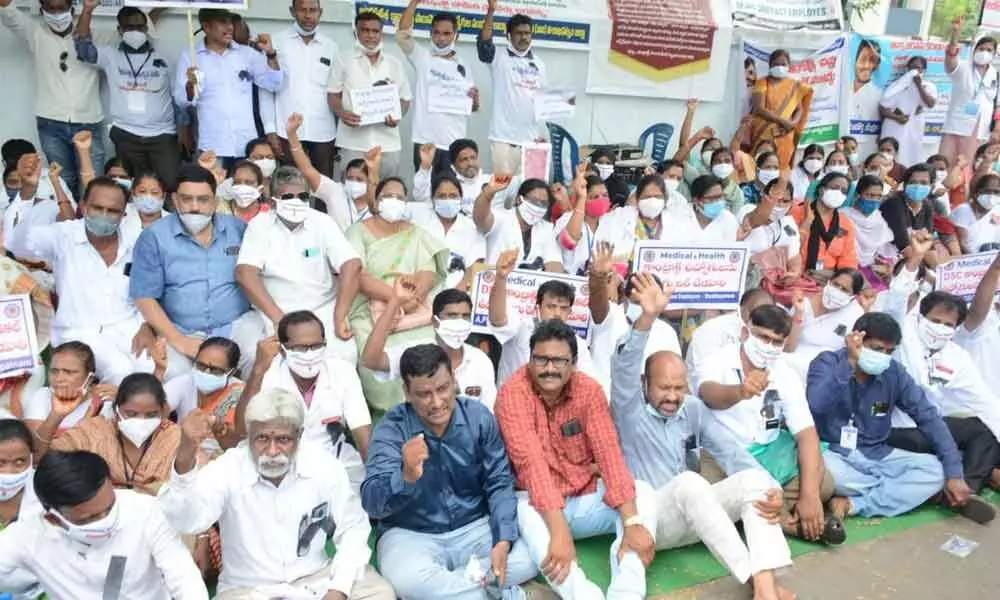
531, 212
454, 332
11, 484
305, 363
933, 335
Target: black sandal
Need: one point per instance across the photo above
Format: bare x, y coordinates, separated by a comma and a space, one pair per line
833, 534
979, 510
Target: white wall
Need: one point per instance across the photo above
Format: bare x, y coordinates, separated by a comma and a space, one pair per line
599, 119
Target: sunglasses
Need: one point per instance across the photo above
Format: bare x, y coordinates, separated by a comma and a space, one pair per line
304, 196
62, 62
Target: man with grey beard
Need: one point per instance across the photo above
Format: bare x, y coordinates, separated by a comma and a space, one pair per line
276, 505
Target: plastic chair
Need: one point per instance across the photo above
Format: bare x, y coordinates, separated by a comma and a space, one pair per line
661, 133
558, 137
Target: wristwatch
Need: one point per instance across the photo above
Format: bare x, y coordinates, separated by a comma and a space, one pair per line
633, 520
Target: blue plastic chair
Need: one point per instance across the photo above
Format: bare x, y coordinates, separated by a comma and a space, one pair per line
560, 138
661, 133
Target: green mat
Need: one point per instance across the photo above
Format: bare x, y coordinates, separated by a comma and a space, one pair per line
694, 565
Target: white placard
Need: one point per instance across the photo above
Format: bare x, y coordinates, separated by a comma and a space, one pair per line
450, 97
376, 103
702, 276
521, 290
554, 105
961, 275
18, 344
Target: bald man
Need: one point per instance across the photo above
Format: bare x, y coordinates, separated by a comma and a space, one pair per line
661, 428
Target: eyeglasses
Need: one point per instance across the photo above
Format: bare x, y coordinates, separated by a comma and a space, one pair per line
559, 362
306, 347
210, 369
62, 62
304, 196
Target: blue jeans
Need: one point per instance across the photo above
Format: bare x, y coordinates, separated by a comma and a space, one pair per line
589, 516
57, 145
888, 487
431, 566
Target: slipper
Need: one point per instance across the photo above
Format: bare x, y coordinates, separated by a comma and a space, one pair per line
978, 510
833, 534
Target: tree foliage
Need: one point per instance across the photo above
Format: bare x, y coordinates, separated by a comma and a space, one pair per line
945, 12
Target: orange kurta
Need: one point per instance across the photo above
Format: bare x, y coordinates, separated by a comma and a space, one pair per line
842, 251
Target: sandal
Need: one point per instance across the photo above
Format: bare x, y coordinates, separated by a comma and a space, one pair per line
833, 534
979, 510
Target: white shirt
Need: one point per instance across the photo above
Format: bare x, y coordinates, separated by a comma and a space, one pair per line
827, 331
432, 71
745, 419
979, 231
983, 346
783, 233
516, 80
337, 398
261, 524
800, 183
43, 209
225, 102
968, 88
307, 73
515, 337
506, 235
470, 189
681, 228
353, 70
871, 235
717, 332
462, 238
341, 209
38, 407
297, 264
21, 583
607, 336
864, 104
72, 96
911, 135
157, 565
91, 293
475, 376
575, 260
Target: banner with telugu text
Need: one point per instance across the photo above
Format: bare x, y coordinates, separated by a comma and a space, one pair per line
662, 49
563, 22
991, 15
823, 71
522, 288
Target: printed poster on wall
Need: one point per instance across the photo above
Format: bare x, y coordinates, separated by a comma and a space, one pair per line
991, 15
562, 22
876, 62
823, 71
662, 49
788, 15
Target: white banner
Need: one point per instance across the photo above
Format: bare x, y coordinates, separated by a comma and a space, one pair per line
662, 49
522, 287
961, 275
823, 71
788, 15
222, 4
701, 276
18, 344
376, 103
991, 15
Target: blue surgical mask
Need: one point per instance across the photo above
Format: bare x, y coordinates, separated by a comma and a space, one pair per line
447, 208
632, 312
12, 193
866, 207
873, 362
148, 205
100, 225
917, 192
208, 383
125, 183
712, 210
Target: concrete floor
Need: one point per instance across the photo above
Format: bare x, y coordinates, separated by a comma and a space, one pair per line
908, 565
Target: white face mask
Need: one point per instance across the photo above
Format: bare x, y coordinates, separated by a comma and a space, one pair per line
672, 185
392, 209
939, 177
267, 166
520, 53
652, 206
303, 31
988, 201
305, 363
761, 354
778, 71
244, 195
924, 288
812, 165
91, 534
355, 189
148, 205
366, 50
706, 157
137, 430
293, 210
58, 22
134, 39
778, 213
11, 484
605, 171
889, 156
834, 198
445, 51
447, 208
195, 222
766, 176
835, 298
982, 58
839, 169
722, 170
531, 212
933, 335
454, 332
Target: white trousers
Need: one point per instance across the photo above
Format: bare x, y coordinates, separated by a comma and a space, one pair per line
589, 516
112, 346
689, 508
242, 331
335, 347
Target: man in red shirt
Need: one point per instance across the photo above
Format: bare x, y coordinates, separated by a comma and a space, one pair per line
560, 436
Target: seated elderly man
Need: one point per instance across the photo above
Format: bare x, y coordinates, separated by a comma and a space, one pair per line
182, 276
276, 505
91, 260
661, 427
328, 388
560, 435
440, 487
297, 258
95, 541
